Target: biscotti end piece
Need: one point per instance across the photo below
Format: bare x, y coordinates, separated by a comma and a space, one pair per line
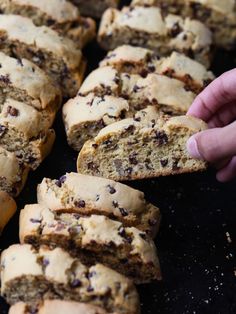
86, 195
58, 56
144, 147
25, 82
57, 307
93, 239
148, 27
94, 8
85, 116
137, 60
7, 209
13, 173
31, 275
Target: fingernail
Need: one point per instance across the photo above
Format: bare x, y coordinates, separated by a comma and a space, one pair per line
193, 148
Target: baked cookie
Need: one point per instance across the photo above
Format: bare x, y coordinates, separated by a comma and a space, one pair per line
137, 60
148, 27
57, 307
61, 16
7, 209
56, 55
87, 195
94, 8
31, 275
22, 80
13, 173
25, 131
93, 239
219, 16
144, 147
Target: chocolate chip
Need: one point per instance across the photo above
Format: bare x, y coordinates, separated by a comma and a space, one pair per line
35, 221
111, 189
46, 262
90, 289
3, 129
19, 61
138, 119
115, 204
76, 283
92, 166
143, 236
95, 145
175, 30
97, 197
144, 72
136, 88
175, 166
12, 111
161, 138
91, 274
5, 79
60, 181
121, 232
80, 203
75, 230
151, 68
123, 212
164, 162
132, 159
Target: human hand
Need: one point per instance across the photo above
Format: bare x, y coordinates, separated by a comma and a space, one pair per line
216, 105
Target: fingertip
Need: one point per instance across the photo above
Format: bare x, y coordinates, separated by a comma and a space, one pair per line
192, 148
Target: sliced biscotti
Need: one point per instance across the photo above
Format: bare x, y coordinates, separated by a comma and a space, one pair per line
219, 16
95, 8
57, 307
61, 16
92, 239
25, 131
137, 60
85, 116
7, 209
86, 195
144, 147
56, 55
148, 27
13, 173
31, 275
22, 80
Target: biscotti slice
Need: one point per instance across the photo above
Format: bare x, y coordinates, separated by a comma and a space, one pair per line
144, 147
13, 173
57, 307
61, 16
95, 8
93, 239
22, 80
137, 60
86, 195
56, 55
218, 15
148, 27
7, 209
169, 94
31, 275
85, 116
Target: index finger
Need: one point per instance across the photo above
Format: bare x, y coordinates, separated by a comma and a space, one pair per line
217, 94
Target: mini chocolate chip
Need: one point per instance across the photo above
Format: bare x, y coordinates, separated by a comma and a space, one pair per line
136, 88
175, 166
144, 72
46, 262
115, 204
121, 232
12, 111
97, 197
19, 61
76, 283
175, 30
161, 138
185, 37
80, 203
123, 212
75, 230
3, 129
5, 79
143, 236
138, 119
35, 221
91, 274
95, 145
92, 166
111, 189
132, 159
164, 162
90, 289
151, 68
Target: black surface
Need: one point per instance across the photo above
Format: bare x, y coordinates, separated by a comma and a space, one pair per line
197, 260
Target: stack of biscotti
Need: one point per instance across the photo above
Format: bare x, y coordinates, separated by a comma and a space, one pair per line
129, 79
150, 27
61, 16
32, 275
94, 8
219, 16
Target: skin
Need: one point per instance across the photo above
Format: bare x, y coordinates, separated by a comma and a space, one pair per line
216, 105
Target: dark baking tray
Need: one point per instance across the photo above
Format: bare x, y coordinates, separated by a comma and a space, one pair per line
197, 260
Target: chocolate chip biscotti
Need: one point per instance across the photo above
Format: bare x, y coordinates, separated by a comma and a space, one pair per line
218, 15
22, 80
30, 275
148, 27
57, 307
13, 173
144, 147
7, 209
95, 8
138, 60
61, 16
87, 195
93, 239
56, 55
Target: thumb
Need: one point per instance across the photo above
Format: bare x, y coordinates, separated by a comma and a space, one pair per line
214, 144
